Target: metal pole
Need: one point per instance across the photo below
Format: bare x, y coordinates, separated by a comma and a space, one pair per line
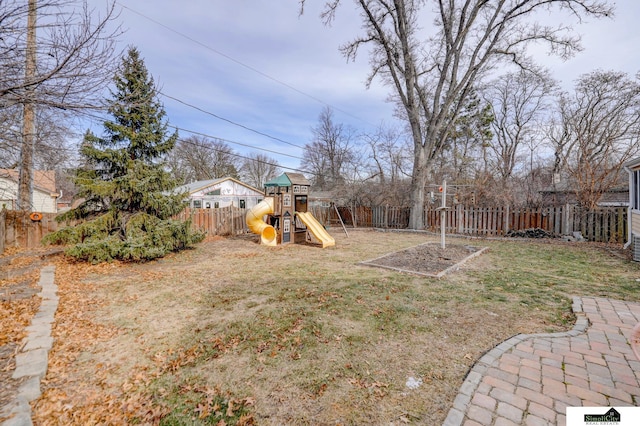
443, 214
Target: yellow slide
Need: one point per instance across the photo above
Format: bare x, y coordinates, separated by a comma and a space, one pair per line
316, 229
258, 226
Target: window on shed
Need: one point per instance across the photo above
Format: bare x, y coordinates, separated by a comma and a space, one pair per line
197, 204
214, 192
243, 204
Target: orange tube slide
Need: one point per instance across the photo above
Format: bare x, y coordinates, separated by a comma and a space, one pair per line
258, 226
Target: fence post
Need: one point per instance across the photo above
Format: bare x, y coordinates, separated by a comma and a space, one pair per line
507, 219
386, 216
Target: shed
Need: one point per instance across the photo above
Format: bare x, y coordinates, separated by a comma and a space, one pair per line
633, 217
223, 192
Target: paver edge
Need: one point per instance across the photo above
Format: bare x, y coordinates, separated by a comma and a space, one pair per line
457, 414
20, 409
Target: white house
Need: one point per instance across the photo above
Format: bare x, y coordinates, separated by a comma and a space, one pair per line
633, 217
44, 190
223, 192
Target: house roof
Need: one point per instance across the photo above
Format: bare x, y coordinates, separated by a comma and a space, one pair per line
202, 184
43, 180
632, 164
616, 189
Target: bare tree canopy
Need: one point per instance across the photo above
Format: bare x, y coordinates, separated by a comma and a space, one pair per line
75, 53
598, 130
387, 166
389, 154
329, 152
518, 102
463, 155
257, 169
53, 57
53, 150
433, 72
200, 158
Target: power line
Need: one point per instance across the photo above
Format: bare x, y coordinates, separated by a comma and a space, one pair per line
210, 136
96, 117
228, 121
249, 67
233, 142
244, 157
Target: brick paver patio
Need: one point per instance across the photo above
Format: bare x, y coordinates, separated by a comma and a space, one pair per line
531, 379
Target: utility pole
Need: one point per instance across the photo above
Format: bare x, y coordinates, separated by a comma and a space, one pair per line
25, 179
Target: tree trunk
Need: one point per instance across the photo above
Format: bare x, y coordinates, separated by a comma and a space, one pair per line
418, 183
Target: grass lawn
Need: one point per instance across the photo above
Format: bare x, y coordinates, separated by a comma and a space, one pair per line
232, 332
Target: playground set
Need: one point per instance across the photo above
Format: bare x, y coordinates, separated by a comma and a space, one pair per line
288, 221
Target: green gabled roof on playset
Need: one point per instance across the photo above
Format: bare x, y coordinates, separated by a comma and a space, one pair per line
288, 179
281, 180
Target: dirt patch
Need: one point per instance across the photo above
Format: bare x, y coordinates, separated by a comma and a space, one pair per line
427, 259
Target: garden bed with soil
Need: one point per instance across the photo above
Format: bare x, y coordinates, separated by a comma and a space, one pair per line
428, 259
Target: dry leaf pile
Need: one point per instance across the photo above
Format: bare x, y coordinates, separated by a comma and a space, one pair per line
90, 394
91, 399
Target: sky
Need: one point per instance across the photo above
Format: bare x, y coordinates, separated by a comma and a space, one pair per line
261, 65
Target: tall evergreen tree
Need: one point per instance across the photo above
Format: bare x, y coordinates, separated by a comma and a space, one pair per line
127, 195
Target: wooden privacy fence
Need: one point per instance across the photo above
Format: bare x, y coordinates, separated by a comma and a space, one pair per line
363, 216
18, 230
606, 224
602, 225
222, 221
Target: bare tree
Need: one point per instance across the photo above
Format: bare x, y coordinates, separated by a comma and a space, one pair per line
53, 55
388, 166
432, 75
258, 169
329, 152
75, 53
200, 158
599, 129
389, 154
518, 101
10, 135
463, 155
